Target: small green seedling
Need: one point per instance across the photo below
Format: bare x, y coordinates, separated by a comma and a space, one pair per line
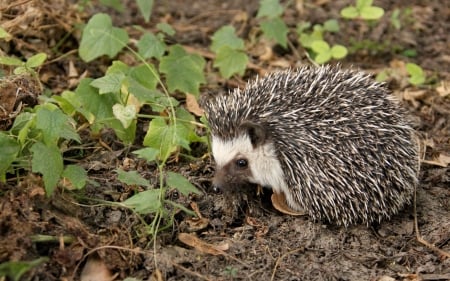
363, 10
27, 66
416, 73
314, 41
325, 53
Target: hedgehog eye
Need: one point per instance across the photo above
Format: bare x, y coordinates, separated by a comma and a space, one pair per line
241, 163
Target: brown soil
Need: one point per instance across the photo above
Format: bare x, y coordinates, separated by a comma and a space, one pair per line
238, 238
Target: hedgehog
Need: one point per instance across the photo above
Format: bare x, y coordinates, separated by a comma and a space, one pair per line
334, 141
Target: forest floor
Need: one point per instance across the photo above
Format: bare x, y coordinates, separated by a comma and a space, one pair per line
252, 241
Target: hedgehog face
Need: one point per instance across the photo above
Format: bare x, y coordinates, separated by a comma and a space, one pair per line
249, 157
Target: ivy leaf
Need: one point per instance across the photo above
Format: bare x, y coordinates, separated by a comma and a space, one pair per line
145, 6
48, 161
10, 149
148, 153
110, 83
177, 181
277, 30
226, 36
270, 8
15, 269
161, 136
151, 46
125, 114
131, 178
76, 175
183, 71
101, 38
54, 124
145, 202
166, 28
230, 62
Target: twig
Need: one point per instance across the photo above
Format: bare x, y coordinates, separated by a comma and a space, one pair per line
282, 257
193, 273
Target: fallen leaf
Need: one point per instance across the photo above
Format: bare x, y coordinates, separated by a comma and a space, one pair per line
202, 246
192, 105
279, 203
95, 270
443, 89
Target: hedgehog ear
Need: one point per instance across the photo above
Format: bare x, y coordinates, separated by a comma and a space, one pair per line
256, 133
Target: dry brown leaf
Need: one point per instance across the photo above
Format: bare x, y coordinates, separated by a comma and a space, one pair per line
413, 95
156, 276
95, 270
192, 105
194, 224
442, 161
279, 203
202, 246
443, 89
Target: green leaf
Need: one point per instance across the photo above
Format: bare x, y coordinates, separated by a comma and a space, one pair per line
110, 83
183, 71
10, 149
363, 3
161, 136
320, 46
331, 25
322, 57
150, 46
48, 161
100, 106
166, 28
339, 51
277, 30
5, 35
142, 78
115, 4
54, 124
145, 202
101, 38
350, 12
36, 60
21, 70
149, 153
417, 74
145, 6
414, 70
71, 103
175, 180
125, 114
21, 126
15, 269
11, 61
230, 62
302, 26
226, 36
371, 13
76, 175
131, 178
270, 8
